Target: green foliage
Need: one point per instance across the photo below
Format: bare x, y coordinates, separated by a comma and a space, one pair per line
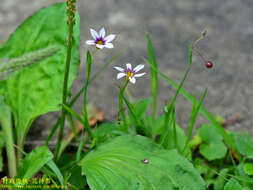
221, 180
141, 106
108, 131
180, 139
9, 66
34, 161
137, 116
1, 148
135, 162
37, 89
169, 139
154, 76
212, 147
32, 74
53, 171
76, 179
195, 109
232, 185
248, 168
227, 138
244, 143
1, 44
7, 140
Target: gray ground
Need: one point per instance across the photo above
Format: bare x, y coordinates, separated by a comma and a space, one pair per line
172, 25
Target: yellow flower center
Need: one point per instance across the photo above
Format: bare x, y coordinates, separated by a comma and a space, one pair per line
100, 42
129, 74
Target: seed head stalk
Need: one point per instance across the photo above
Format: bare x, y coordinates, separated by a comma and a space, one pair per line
200, 55
70, 11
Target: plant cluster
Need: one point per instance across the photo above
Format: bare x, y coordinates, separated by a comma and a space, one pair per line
138, 151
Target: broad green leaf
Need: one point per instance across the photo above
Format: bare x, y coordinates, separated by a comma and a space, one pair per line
7, 67
136, 162
248, 168
37, 89
244, 143
213, 147
232, 185
208, 133
213, 150
106, 131
34, 161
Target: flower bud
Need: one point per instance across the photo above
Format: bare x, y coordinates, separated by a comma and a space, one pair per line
209, 64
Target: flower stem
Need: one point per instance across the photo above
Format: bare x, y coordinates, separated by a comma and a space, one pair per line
75, 98
85, 113
70, 10
121, 106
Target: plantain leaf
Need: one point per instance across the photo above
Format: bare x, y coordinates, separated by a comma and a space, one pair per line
34, 161
37, 89
9, 66
136, 162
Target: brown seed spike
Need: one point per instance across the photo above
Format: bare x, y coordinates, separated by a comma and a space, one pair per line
209, 64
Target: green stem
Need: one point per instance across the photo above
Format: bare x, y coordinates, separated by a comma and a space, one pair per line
75, 98
8, 138
71, 23
195, 110
85, 113
121, 106
72, 112
174, 129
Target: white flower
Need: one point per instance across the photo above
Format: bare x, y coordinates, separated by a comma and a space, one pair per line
130, 73
100, 41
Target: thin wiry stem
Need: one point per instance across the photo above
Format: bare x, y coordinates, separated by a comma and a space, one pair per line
70, 10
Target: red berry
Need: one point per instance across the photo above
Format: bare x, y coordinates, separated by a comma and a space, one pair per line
209, 64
